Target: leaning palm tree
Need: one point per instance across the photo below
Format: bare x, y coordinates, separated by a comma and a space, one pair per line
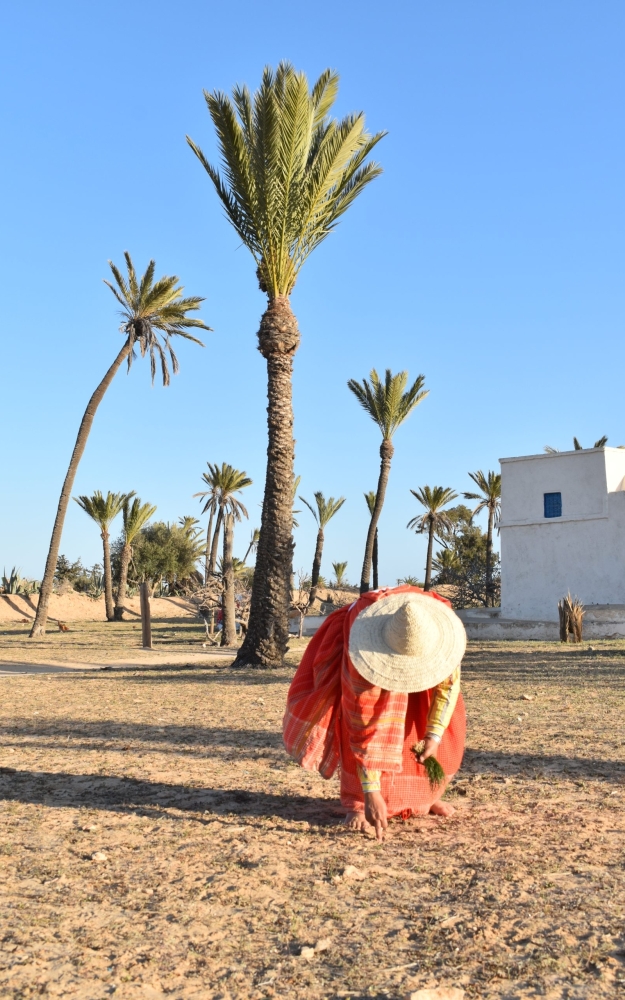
104, 510
290, 171
326, 509
388, 404
489, 499
339, 574
370, 501
152, 313
135, 515
253, 544
434, 520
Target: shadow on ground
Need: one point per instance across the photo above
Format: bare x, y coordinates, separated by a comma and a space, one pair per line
96, 791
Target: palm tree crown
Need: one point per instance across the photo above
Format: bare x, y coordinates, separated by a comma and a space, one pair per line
153, 312
489, 496
135, 516
326, 509
433, 498
289, 170
224, 481
388, 403
103, 509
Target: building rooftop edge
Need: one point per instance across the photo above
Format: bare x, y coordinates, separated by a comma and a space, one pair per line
556, 454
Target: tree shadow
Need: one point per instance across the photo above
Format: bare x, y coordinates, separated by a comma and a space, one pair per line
541, 765
208, 741
132, 795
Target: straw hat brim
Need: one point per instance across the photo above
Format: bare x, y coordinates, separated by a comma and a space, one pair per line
442, 642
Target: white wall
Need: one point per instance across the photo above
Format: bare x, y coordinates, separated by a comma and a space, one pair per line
582, 552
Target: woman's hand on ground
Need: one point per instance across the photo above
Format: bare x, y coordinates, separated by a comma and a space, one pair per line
376, 812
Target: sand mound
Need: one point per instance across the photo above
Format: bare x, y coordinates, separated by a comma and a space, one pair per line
74, 607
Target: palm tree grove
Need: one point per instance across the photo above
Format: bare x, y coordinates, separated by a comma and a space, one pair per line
288, 172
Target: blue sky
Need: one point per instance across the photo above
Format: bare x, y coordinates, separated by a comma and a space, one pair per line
489, 256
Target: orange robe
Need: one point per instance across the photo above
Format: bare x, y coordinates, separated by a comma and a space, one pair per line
335, 717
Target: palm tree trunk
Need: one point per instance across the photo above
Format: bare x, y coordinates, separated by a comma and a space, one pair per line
39, 624
428, 561
228, 630
108, 577
489, 559
213, 556
386, 454
375, 560
316, 568
207, 558
124, 562
267, 635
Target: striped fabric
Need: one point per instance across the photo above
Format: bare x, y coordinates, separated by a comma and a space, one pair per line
333, 715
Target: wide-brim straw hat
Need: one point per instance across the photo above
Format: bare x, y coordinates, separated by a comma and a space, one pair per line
407, 642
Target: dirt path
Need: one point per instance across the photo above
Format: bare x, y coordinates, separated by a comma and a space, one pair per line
157, 842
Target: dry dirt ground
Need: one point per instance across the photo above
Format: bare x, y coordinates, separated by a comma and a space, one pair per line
157, 842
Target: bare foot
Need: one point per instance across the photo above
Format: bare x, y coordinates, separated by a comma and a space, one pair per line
356, 821
441, 809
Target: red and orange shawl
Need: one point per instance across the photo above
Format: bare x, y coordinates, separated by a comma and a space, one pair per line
334, 716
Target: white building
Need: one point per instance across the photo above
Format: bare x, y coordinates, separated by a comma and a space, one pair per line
562, 529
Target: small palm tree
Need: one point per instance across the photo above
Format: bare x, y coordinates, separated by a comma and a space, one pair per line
135, 515
435, 519
152, 313
223, 480
290, 171
104, 510
601, 443
388, 404
326, 509
370, 501
339, 574
489, 498
445, 564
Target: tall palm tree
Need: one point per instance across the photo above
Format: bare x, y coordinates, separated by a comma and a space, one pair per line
104, 510
370, 501
388, 404
152, 313
434, 520
135, 516
290, 171
489, 499
326, 509
339, 573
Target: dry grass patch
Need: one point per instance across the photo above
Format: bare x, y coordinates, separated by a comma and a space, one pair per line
157, 842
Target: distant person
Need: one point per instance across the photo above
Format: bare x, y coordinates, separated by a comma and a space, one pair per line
378, 679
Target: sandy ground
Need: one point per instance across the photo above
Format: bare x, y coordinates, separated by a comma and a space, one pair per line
157, 842
75, 607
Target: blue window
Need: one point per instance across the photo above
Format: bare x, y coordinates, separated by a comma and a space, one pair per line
553, 505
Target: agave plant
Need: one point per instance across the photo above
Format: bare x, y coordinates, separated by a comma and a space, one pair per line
11, 584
